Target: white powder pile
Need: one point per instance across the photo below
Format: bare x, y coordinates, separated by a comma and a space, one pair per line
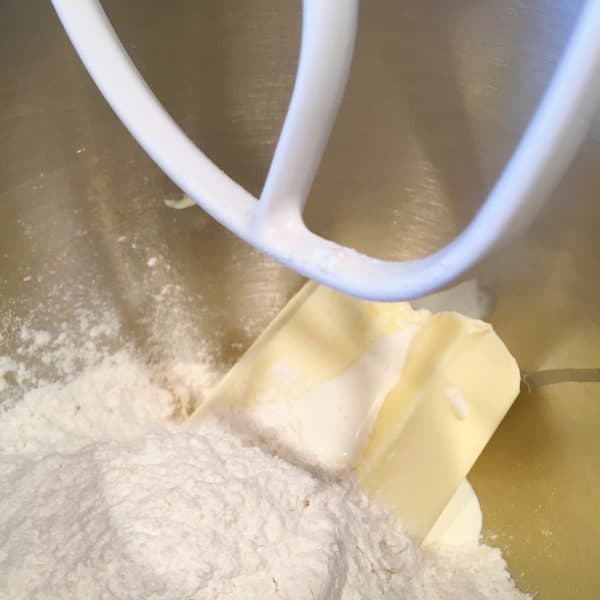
101, 496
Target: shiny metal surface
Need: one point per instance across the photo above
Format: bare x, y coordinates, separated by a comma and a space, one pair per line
437, 97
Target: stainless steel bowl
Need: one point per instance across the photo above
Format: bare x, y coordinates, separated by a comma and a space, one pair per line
437, 98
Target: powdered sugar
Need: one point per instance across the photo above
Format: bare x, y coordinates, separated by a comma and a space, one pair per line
104, 497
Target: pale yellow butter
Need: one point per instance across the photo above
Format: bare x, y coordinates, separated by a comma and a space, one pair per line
406, 398
420, 449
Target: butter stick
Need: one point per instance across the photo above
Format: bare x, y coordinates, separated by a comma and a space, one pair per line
405, 398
